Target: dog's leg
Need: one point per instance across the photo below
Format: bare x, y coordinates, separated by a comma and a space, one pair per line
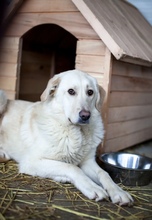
63, 171
116, 194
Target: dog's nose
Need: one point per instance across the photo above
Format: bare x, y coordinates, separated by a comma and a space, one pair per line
84, 115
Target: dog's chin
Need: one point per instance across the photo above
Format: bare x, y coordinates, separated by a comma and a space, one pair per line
79, 122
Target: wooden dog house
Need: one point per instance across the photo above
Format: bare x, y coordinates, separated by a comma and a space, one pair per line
108, 39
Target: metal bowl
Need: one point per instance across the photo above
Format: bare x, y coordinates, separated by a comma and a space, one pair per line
129, 169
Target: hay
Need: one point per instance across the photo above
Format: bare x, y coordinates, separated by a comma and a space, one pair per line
26, 197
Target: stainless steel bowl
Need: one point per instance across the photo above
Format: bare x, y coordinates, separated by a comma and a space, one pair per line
129, 169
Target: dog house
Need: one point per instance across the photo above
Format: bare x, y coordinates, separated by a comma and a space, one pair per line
110, 40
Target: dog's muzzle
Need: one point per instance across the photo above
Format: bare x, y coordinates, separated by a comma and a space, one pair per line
84, 117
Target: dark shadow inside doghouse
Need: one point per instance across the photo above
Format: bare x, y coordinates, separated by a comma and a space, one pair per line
47, 49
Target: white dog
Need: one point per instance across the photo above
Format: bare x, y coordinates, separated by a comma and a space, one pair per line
58, 136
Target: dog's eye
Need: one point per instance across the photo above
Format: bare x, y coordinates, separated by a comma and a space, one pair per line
90, 92
71, 91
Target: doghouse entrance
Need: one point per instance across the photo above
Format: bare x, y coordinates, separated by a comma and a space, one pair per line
47, 50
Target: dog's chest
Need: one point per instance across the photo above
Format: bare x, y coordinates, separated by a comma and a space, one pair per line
76, 149
70, 145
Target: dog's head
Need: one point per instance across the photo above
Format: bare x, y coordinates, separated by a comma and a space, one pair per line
78, 94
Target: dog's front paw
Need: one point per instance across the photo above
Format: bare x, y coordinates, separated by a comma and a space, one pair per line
96, 193
121, 197
90, 189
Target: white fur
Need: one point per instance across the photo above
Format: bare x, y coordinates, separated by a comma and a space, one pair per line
48, 139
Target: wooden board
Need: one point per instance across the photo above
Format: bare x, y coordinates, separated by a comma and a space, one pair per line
127, 113
47, 6
118, 99
90, 63
124, 128
18, 67
8, 69
72, 22
123, 142
8, 83
34, 75
90, 47
34, 85
9, 64
38, 69
131, 84
8, 55
35, 57
106, 86
9, 43
117, 24
131, 70
90, 58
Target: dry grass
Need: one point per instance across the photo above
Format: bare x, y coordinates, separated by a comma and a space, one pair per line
26, 197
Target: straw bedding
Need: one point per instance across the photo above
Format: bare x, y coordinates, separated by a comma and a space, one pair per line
26, 197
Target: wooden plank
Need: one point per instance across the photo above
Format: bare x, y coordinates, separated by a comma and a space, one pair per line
131, 70
18, 67
97, 25
119, 99
8, 69
90, 47
34, 85
130, 84
124, 128
35, 66
98, 17
8, 56
9, 43
47, 6
8, 83
90, 63
140, 36
36, 69
74, 22
123, 37
129, 140
120, 114
35, 58
106, 86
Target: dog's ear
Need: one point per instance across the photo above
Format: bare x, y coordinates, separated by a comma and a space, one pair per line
50, 88
100, 98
